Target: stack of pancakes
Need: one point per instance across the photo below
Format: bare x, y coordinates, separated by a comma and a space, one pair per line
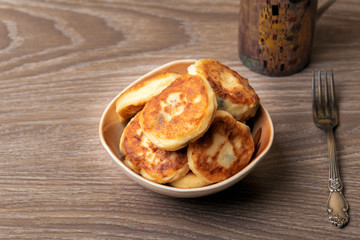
188, 130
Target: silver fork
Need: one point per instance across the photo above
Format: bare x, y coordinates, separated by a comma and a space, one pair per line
326, 117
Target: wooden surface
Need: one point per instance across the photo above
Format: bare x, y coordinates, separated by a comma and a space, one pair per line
61, 62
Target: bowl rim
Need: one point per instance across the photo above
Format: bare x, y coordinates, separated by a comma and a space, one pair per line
169, 190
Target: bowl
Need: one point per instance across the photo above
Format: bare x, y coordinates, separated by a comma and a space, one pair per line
110, 130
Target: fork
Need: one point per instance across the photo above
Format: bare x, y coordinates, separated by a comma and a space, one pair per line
326, 117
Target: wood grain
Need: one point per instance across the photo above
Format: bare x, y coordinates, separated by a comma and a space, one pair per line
62, 61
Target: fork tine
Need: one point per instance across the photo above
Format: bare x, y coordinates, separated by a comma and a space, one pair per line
320, 96
335, 113
327, 104
332, 90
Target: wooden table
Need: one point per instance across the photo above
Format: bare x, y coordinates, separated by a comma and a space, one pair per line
61, 62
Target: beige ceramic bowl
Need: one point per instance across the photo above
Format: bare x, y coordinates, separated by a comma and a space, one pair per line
111, 128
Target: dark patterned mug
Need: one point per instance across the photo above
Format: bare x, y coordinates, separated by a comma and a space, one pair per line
275, 36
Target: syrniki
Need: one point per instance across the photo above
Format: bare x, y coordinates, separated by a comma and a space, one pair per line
180, 114
135, 97
190, 180
145, 158
233, 92
223, 151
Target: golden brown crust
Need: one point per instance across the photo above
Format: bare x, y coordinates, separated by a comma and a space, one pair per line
243, 93
233, 92
223, 151
128, 112
180, 114
145, 158
133, 99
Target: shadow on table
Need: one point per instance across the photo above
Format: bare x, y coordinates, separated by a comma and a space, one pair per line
257, 187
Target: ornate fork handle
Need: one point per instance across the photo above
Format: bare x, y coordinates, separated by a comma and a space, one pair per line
337, 205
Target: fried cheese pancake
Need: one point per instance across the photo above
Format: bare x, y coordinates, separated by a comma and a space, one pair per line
233, 92
190, 180
145, 158
224, 150
134, 98
180, 114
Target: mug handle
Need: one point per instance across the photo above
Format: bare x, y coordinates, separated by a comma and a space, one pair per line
323, 8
